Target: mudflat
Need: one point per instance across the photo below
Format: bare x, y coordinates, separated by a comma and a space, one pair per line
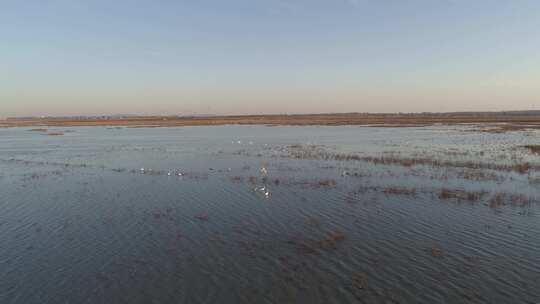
508, 120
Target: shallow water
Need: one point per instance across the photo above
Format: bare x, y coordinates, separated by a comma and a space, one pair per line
186, 215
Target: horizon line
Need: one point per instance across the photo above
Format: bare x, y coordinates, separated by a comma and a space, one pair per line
104, 116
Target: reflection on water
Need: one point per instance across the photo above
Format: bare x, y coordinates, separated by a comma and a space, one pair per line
251, 214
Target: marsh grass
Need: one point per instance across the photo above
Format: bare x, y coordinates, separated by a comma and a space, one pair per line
319, 153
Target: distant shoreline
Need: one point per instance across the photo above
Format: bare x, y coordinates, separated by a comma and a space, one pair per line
511, 120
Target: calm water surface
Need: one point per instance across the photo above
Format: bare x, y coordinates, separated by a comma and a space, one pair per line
255, 214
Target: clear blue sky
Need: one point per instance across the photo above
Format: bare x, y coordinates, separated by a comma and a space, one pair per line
68, 57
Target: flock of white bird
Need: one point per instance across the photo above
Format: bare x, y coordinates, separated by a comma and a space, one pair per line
263, 171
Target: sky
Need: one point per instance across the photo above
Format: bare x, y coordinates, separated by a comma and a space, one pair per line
97, 57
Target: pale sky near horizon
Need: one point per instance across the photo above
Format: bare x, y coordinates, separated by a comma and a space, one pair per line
77, 57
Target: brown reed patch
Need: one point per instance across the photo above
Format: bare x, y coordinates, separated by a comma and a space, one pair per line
436, 252
461, 195
237, 178
202, 217
326, 183
502, 199
328, 243
360, 280
55, 134
533, 148
399, 190
478, 175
